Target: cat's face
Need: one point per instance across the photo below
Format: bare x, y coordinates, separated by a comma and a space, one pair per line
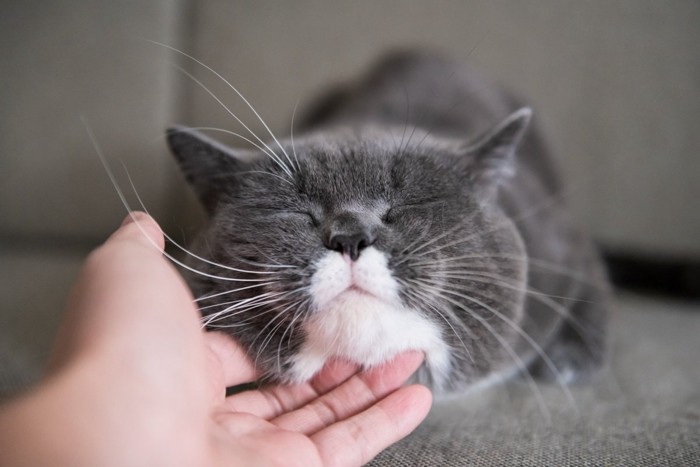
352, 245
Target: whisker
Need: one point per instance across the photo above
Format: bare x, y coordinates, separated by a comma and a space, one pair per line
426, 300
545, 299
268, 173
176, 244
226, 292
530, 261
290, 329
399, 148
245, 305
535, 346
250, 106
270, 334
506, 346
269, 151
291, 132
413, 253
239, 303
245, 322
136, 222
420, 238
496, 279
222, 130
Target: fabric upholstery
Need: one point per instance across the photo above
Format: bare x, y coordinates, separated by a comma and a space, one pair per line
613, 84
642, 410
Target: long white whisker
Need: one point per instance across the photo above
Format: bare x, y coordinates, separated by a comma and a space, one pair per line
547, 301
301, 310
546, 203
294, 151
235, 305
413, 253
231, 313
506, 346
240, 306
426, 300
490, 279
535, 346
246, 321
271, 333
486, 278
250, 106
233, 133
269, 151
530, 261
124, 201
214, 305
176, 244
268, 173
419, 238
290, 329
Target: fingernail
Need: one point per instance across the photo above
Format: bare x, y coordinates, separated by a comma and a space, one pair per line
134, 216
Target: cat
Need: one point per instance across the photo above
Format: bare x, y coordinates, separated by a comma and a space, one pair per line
416, 208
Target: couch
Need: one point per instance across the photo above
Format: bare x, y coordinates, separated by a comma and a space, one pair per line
613, 84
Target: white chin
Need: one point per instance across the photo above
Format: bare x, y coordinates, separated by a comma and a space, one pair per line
359, 327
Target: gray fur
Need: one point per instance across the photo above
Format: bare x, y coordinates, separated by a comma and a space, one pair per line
417, 149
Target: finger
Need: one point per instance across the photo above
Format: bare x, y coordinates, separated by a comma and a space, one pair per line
334, 373
140, 227
268, 403
351, 397
357, 440
273, 401
230, 360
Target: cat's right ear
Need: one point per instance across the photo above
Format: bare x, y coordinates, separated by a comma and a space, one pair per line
491, 159
208, 165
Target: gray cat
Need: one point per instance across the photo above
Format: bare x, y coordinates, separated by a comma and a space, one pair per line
403, 216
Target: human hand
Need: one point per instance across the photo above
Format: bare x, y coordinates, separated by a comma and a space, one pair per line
135, 381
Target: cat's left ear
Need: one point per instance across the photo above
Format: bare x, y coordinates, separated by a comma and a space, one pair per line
491, 158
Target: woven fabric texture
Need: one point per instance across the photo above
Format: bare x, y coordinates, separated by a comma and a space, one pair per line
642, 410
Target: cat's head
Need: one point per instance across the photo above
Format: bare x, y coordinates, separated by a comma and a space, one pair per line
358, 243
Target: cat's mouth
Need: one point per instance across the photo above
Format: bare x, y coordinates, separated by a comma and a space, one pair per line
356, 289
366, 279
358, 295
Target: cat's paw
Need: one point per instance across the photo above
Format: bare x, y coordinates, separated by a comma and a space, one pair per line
566, 362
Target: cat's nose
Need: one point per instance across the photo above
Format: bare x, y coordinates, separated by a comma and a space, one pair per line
350, 245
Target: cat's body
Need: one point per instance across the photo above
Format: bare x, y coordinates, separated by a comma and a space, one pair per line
397, 220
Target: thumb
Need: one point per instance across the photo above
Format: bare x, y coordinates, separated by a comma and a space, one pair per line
141, 228
128, 297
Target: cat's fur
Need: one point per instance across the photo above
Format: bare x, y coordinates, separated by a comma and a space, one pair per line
416, 209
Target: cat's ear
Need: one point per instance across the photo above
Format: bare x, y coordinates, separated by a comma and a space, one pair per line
208, 165
491, 158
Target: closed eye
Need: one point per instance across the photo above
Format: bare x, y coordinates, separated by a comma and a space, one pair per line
281, 212
299, 214
314, 221
395, 212
388, 216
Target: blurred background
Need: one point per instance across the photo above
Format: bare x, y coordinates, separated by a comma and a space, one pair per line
615, 86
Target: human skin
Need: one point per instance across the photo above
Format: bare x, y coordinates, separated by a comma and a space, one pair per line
135, 381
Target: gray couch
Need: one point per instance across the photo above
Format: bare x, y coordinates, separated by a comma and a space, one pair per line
614, 85
643, 410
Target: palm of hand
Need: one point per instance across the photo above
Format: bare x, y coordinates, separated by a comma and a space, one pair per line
133, 369
333, 420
